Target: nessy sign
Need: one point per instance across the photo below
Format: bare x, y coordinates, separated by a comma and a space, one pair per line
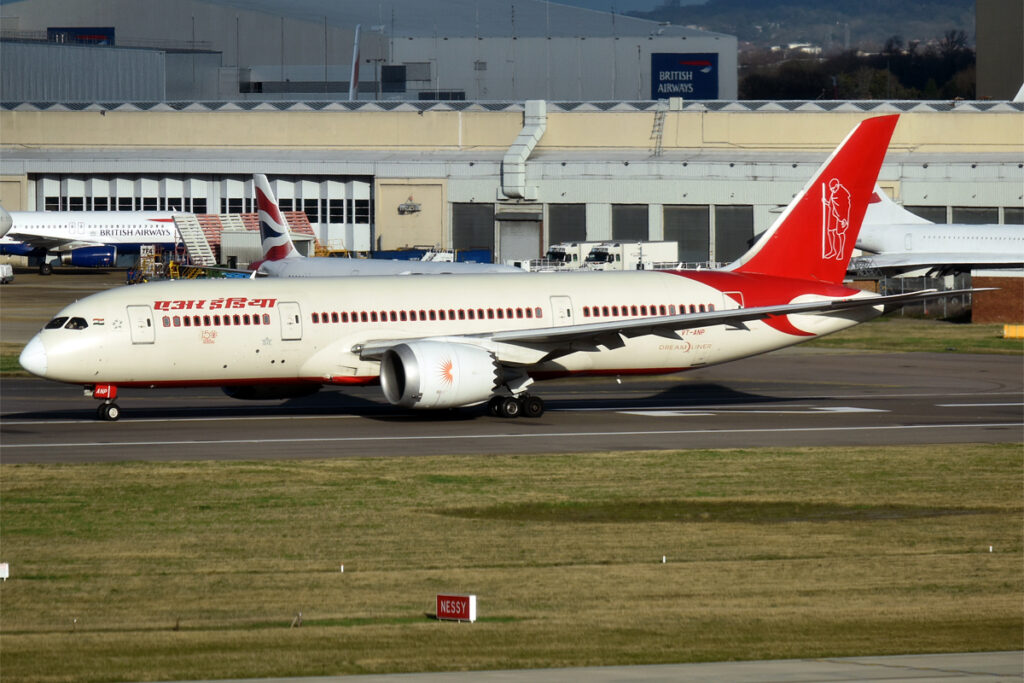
456, 607
693, 76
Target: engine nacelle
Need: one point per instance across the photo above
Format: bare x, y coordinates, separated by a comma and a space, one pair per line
430, 374
270, 392
91, 257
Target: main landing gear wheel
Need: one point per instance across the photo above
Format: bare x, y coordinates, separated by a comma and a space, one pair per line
510, 406
533, 406
45, 268
108, 411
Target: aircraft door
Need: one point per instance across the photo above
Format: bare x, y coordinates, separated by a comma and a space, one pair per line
291, 320
140, 323
908, 241
561, 311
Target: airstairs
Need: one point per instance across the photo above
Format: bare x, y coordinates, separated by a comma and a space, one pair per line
198, 249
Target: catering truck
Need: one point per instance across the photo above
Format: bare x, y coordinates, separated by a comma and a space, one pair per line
620, 255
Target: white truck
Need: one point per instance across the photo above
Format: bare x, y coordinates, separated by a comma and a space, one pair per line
621, 255
561, 256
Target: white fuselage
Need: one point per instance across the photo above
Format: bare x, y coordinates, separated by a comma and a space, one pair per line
118, 228
1005, 241
277, 331
336, 267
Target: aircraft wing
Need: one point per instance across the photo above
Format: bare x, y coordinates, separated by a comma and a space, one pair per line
610, 334
48, 242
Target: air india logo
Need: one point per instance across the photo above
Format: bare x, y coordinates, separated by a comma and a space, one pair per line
835, 219
448, 372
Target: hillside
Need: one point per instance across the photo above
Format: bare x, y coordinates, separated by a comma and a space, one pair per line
831, 24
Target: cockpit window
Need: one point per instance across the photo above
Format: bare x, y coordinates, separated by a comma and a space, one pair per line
55, 324
76, 324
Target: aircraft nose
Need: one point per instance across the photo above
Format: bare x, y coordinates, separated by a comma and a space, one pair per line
33, 357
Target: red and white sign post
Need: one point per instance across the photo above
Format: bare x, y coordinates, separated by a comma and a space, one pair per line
456, 607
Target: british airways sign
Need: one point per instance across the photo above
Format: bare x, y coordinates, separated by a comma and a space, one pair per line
691, 76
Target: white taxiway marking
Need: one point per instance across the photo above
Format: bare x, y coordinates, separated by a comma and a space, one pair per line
976, 405
545, 435
728, 411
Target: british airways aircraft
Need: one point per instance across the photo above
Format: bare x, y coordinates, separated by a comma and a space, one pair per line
282, 259
443, 341
898, 241
83, 238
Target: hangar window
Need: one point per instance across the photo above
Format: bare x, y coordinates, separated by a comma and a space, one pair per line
975, 215
125, 203
361, 211
312, 209
335, 210
51, 204
100, 204
935, 214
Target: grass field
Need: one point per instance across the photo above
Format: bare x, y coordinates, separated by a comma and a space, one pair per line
196, 570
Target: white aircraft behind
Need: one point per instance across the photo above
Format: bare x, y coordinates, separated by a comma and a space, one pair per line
446, 341
282, 259
900, 241
83, 238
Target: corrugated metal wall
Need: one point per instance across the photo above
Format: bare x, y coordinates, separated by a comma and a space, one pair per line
38, 72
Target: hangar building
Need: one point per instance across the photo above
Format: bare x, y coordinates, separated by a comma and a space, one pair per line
303, 50
512, 177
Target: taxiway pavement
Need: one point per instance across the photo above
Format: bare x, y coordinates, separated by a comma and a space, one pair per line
795, 397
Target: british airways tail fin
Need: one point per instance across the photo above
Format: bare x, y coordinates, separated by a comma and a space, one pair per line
277, 243
814, 237
884, 211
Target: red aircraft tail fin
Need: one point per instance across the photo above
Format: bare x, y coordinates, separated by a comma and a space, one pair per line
814, 236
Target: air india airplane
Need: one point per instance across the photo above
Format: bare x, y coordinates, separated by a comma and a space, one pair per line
443, 341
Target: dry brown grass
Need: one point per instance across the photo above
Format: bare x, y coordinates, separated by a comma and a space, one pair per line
196, 570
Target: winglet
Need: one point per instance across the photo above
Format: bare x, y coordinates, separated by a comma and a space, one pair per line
814, 237
277, 243
5, 221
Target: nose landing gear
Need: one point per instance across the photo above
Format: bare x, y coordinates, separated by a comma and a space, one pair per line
526, 405
108, 410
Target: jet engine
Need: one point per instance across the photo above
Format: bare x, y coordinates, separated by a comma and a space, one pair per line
91, 257
270, 392
427, 374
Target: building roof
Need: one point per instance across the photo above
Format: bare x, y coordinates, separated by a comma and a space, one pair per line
856, 106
